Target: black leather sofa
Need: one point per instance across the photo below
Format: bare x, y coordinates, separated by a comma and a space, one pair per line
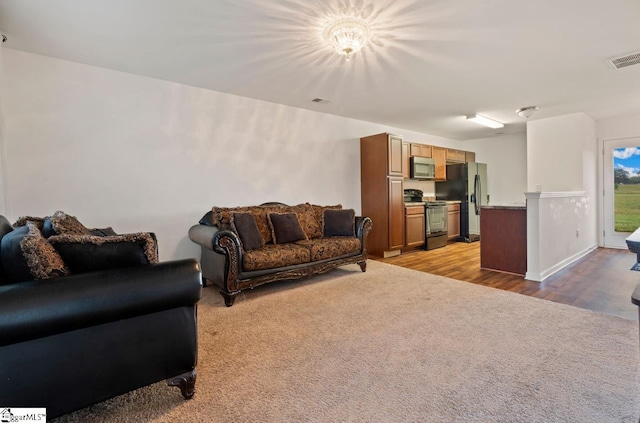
72, 341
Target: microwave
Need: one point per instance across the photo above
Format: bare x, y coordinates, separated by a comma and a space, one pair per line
422, 168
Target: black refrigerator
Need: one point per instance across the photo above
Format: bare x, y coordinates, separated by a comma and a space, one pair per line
467, 183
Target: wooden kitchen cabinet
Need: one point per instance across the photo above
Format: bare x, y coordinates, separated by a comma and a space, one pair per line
455, 156
420, 150
406, 160
382, 193
453, 221
396, 213
414, 225
439, 155
469, 156
395, 155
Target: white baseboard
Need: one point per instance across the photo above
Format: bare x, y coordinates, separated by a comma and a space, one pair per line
539, 277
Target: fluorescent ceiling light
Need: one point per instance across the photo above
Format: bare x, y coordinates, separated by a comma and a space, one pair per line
485, 121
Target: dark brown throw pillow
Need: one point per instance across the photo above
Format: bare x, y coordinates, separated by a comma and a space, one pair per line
85, 253
339, 222
285, 228
247, 230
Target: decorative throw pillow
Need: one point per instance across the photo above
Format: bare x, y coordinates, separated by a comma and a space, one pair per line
247, 230
102, 231
62, 223
22, 221
285, 228
26, 254
339, 222
318, 213
85, 253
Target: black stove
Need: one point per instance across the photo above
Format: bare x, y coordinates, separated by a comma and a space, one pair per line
413, 195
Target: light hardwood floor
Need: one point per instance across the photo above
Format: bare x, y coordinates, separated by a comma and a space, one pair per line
601, 281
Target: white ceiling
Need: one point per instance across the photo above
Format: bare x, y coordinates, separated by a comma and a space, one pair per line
431, 62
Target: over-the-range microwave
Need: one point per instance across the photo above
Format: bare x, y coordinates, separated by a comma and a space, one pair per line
422, 168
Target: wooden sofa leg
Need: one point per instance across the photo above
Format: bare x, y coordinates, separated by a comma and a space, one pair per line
363, 265
186, 382
229, 297
204, 281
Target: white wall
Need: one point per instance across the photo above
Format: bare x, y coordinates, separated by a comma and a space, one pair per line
141, 154
506, 159
553, 161
562, 219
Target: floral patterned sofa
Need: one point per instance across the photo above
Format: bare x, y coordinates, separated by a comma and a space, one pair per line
244, 247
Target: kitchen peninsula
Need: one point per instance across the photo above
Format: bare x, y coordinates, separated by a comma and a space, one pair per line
503, 244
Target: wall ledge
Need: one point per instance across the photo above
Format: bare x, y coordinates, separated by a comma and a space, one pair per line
559, 194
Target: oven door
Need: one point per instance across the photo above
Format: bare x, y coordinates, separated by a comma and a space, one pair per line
436, 217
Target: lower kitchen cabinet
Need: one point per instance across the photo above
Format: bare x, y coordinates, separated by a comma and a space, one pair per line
414, 224
453, 221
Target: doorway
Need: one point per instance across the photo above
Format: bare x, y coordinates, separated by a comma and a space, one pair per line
621, 182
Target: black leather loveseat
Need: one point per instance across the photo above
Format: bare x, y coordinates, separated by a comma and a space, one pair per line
70, 341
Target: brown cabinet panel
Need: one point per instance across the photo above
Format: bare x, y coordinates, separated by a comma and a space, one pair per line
455, 156
439, 155
453, 221
395, 156
396, 214
420, 150
406, 160
503, 245
414, 229
469, 156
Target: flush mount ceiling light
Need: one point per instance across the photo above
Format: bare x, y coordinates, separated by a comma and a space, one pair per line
527, 112
347, 35
485, 121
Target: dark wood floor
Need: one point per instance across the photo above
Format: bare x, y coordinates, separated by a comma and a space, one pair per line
601, 281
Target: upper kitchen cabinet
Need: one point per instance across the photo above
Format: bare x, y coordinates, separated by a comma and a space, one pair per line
469, 157
386, 150
420, 150
406, 160
439, 155
455, 156
382, 196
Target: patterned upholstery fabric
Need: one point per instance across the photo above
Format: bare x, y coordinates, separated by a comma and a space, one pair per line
275, 255
222, 218
325, 248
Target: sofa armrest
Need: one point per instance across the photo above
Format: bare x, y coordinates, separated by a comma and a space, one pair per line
35, 309
203, 235
363, 227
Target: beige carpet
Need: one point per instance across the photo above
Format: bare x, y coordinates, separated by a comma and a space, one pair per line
396, 345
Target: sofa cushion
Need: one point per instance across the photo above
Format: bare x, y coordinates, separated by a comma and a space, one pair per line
84, 253
275, 255
318, 213
62, 223
327, 248
26, 254
247, 230
339, 223
221, 217
285, 228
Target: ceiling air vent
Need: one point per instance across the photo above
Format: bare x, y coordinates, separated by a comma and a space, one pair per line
624, 61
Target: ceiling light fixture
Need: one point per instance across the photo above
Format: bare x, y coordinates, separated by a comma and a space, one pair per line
347, 35
527, 112
485, 121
